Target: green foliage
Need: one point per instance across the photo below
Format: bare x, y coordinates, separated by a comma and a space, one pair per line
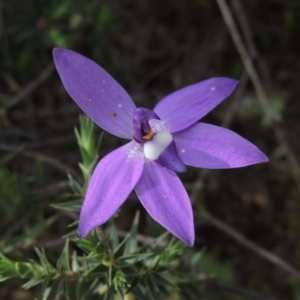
88, 148
30, 234
103, 267
203, 3
43, 25
295, 288
89, 153
209, 265
15, 195
251, 108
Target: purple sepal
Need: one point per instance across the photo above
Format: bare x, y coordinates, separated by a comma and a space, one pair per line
213, 147
170, 159
114, 178
140, 123
166, 200
95, 92
186, 106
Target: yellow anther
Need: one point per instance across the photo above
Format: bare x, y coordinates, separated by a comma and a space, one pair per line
149, 135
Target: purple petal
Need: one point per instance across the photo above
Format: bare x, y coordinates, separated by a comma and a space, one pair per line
212, 147
95, 92
112, 181
169, 158
185, 107
164, 197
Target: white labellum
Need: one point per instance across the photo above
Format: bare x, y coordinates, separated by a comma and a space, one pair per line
161, 140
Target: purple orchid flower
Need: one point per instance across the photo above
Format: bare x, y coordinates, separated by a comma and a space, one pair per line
162, 142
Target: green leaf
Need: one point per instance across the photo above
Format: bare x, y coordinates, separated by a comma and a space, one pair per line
111, 275
222, 271
74, 205
7, 268
131, 243
134, 258
63, 262
58, 38
12, 154
75, 265
88, 147
44, 260
164, 279
75, 186
98, 270
151, 289
46, 292
90, 243
113, 236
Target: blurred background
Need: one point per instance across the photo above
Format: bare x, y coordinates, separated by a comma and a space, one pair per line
152, 48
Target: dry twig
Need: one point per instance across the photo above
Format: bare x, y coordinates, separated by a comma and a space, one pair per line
44, 75
43, 158
213, 284
281, 138
260, 91
246, 59
248, 244
253, 52
15, 227
1, 19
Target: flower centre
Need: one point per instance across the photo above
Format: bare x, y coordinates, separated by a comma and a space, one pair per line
157, 144
141, 127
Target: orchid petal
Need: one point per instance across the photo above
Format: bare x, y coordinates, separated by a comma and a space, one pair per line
112, 181
212, 147
95, 92
167, 202
183, 108
169, 158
